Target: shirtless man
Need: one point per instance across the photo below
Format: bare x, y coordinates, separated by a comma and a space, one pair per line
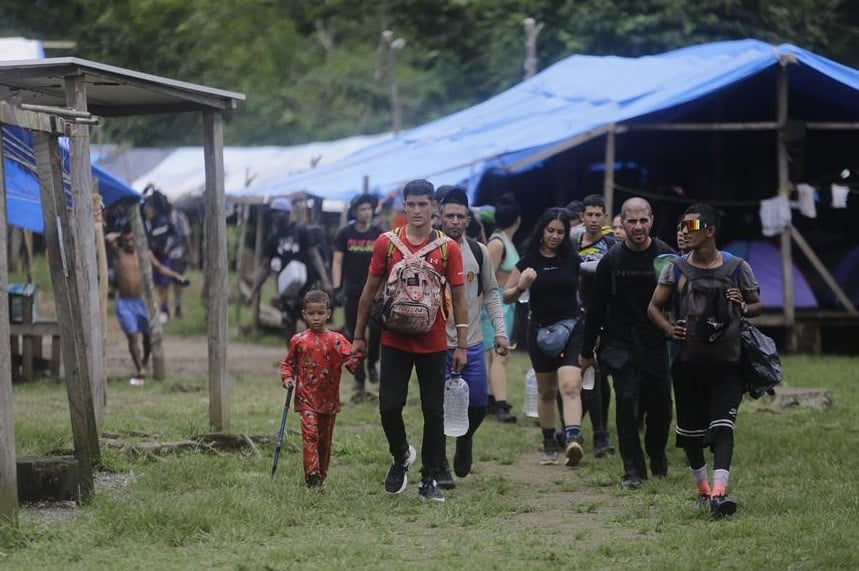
131, 311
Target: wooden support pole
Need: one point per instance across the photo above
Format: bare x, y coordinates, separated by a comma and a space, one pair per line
84, 240
259, 244
8, 462
608, 176
63, 256
216, 270
240, 253
784, 186
141, 246
821, 269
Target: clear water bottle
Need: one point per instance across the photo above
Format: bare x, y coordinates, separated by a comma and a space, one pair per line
531, 394
588, 378
455, 406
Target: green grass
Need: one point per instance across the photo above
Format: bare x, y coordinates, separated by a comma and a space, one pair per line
794, 475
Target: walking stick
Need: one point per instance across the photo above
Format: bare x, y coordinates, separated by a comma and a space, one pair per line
279, 443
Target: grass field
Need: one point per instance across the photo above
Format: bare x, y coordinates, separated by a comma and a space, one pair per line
794, 476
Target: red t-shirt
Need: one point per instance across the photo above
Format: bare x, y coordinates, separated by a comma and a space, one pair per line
315, 361
435, 339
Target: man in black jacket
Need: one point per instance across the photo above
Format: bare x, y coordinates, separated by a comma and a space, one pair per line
632, 349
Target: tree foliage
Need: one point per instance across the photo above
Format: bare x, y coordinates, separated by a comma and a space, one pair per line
317, 69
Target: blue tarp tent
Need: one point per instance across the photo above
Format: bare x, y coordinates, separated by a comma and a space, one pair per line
765, 260
23, 204
576, 100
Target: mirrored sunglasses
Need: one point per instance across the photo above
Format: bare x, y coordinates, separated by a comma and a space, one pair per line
692, 225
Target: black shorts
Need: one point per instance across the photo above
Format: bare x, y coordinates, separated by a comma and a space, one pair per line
569, 357
707, 396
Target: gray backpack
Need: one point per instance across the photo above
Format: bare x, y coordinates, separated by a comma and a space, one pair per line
712, 321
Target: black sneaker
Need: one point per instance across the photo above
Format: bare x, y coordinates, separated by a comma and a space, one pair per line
443, 478
462, 458
659, 466
602, 445
502, 412
722, 506
550, 452
428, 490
396, 481
630, 482
313, 482
573, 451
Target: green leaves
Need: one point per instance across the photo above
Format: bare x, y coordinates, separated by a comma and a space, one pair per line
315, 69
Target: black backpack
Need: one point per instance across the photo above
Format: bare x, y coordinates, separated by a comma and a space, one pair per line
712, 321
478, 255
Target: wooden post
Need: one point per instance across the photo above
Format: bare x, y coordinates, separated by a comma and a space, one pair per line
608, 176
784, 187
141, 245
66, 270
216, 270
532, 30
84, 240
101, 256
8, 462
259, 244
240, 253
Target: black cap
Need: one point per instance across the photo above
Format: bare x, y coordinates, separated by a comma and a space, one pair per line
359, 199
448, 194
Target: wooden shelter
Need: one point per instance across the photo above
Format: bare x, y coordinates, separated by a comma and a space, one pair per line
63, 96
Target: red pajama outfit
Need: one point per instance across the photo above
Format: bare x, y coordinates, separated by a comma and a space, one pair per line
315, 361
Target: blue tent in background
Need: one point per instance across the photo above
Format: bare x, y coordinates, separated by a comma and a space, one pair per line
577, 100
23, 203
765, 260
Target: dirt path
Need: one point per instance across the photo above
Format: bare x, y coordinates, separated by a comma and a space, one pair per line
586, 514
188, 355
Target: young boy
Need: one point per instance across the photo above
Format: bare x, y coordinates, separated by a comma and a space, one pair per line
312, 365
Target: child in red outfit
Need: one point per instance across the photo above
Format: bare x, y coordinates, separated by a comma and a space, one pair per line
313, 365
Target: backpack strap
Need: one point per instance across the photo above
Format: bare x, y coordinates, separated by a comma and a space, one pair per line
440, 242
478, 255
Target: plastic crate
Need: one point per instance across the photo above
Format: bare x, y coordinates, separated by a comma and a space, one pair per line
22, 298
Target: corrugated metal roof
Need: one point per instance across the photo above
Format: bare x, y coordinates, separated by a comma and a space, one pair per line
111, 91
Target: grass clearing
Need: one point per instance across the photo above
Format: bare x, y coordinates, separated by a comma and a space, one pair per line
793, 475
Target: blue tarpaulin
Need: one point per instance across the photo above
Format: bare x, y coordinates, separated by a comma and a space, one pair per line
576, 100
23, 203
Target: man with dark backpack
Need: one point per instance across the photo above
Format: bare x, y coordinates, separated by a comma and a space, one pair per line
481, 291
710, 292
415, 263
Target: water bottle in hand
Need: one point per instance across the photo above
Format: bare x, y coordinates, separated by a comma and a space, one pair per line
588, 378
455, 406
531, 394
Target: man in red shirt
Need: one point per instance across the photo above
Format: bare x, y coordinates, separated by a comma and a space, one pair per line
424, 353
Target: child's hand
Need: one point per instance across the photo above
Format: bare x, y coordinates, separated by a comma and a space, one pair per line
287, 383
354, 362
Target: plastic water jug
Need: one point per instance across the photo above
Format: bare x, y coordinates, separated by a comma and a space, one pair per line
531, 394
588, 378
455, 406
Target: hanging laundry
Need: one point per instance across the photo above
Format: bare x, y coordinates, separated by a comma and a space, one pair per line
775, 215
806, 200
839, 196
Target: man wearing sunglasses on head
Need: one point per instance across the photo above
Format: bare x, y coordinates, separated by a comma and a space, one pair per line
709, 291
632, 349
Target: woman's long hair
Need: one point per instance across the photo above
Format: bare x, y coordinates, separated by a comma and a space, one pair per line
532, 245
